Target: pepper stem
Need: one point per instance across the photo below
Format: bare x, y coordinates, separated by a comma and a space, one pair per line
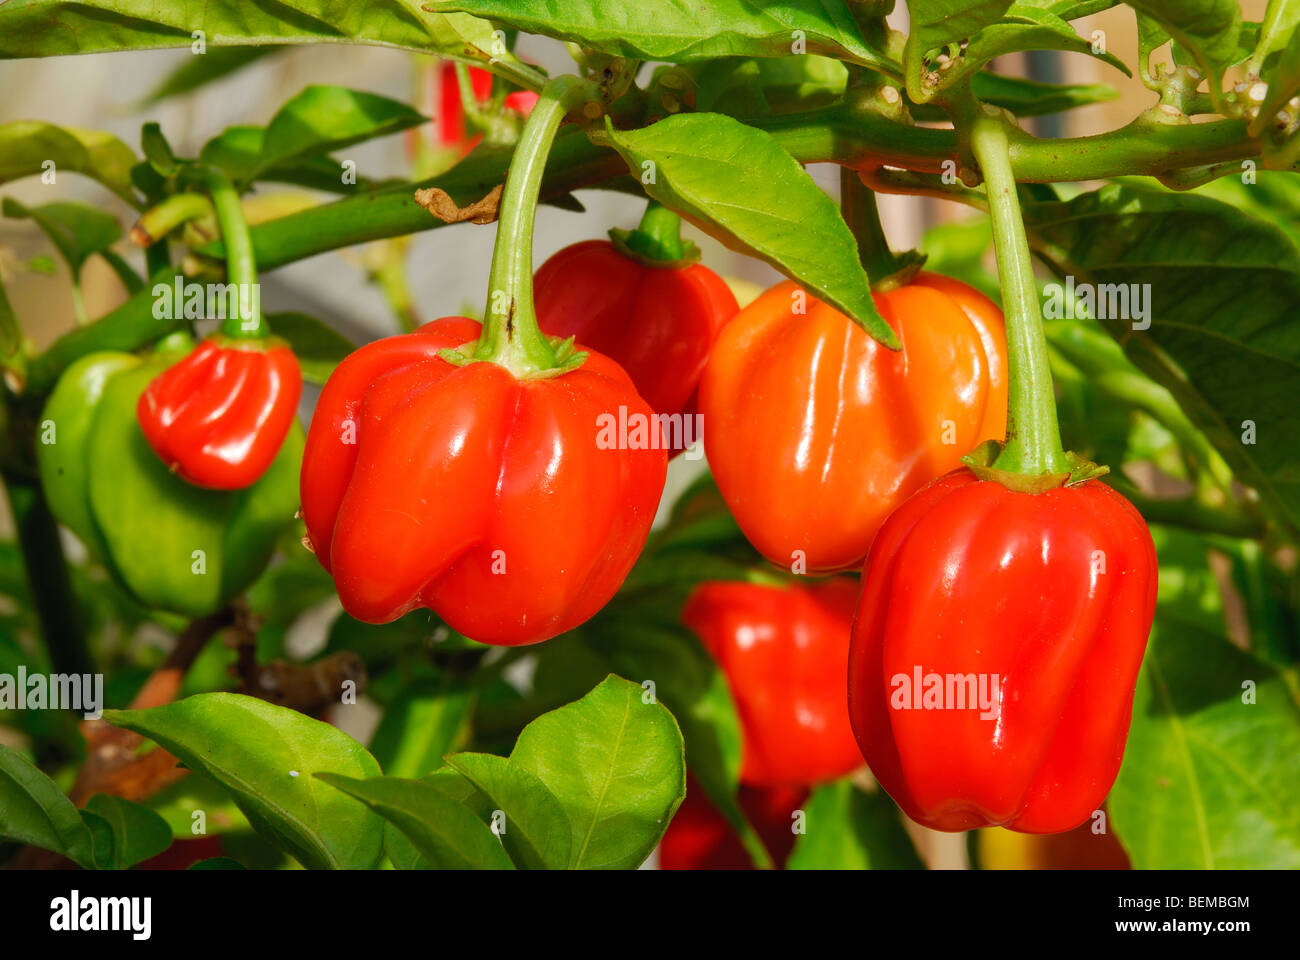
858, 208
1033, 446
511, 336
244, 322
658, 235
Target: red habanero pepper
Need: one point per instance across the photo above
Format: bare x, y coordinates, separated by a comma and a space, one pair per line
815, 432
484, 496
219, 416
1035, 605
449, 127
643, 303
700, 838
784, 651
450, 122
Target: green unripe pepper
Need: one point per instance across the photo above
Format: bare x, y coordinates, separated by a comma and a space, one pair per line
173, 546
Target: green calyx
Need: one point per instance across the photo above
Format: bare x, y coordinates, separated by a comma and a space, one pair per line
657, 240
982, 461
567, 358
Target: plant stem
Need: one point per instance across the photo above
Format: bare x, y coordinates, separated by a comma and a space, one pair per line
160, 220
1033, 446
658, 236
245, 321
1191, 513
48, 578
157, 258
511, 336
78, 304
858, 207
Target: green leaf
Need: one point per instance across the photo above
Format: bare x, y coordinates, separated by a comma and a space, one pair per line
217, 863
199, 71
138, 832
1028, 25
1029, 98
47, 28
446, 833
937, 23
739, 185
536, 831
1223, 289
677, 32
33, 810
11, 334
324, 118
316, 121
401, 852
27, 145
102, 841
318, 347
617, 766
847, 829
1208, 779
266, 756
753, 86
77, 231
421, 727
157, 151
1207, 29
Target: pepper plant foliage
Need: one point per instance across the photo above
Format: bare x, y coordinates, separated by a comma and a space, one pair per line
713, 110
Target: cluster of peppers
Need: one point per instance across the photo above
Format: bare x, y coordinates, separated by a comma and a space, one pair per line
459, 468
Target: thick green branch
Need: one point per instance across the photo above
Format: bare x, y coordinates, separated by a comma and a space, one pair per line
837, 134
843, 134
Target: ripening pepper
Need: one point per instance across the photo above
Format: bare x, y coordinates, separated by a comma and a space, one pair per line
815, 432
700, 838
649, 309
996, 648
218, 416
485, 496
784, 651
172, 545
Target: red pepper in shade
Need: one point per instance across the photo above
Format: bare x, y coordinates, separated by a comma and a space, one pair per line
450, 121
642, 302
1042, 600
479, 494
219, 416
450, 130
784, 651
700, 838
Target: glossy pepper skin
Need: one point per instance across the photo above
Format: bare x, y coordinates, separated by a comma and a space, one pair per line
219, 416
171, 545
481, 496
1054, 594
815, 432
700, 838
784, 651
657, 322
